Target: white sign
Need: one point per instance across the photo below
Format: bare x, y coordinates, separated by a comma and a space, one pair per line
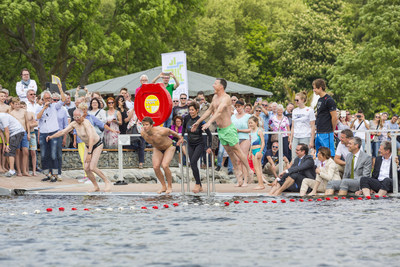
175, 62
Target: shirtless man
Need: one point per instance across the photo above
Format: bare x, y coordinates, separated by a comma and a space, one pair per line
94, 145
4, 108
163, 150
227, 132
22, 158
32, 122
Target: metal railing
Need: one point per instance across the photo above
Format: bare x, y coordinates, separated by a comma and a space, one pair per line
125, 140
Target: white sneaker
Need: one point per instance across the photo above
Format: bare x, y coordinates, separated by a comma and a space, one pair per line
87, 181
83, 180
10, 173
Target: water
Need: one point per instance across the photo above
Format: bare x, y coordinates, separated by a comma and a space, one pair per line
327, 233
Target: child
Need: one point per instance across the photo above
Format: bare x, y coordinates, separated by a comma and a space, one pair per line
257, 146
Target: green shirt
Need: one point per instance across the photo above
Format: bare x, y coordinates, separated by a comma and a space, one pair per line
170, 88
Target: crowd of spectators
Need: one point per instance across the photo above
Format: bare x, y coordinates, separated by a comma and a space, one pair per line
340, 160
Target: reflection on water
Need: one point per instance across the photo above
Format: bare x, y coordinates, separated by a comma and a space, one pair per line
328, 233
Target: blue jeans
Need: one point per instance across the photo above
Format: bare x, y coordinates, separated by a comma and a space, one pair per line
168, 122
375, 148
221, 151
48, 153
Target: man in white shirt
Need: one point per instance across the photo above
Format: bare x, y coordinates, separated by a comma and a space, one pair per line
25, 84
381, 180
360, 124
12, 137
342, 150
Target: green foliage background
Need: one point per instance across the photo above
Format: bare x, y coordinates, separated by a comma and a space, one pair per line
277, 45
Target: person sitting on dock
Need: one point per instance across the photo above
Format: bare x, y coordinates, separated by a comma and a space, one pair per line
358, 164
163, 150
94, 146
381, 181
291, 179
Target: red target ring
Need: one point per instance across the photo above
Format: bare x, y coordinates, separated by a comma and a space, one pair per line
154, 101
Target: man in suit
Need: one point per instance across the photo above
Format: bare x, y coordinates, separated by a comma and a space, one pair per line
381, 180
358, 164
291, 179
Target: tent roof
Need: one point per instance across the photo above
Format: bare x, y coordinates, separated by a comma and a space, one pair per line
197, 82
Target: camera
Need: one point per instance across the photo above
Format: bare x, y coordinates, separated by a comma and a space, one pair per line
198, 100
358, 116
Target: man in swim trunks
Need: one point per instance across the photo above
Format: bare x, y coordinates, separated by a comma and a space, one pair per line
88, 135
163, 150
227, 132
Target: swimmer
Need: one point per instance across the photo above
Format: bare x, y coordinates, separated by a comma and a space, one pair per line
227, 133
94, 145
163, 150
257, 147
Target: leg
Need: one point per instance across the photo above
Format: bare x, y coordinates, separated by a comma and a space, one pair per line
18, 162
236, 151
90, 174
245, 147
332, 186
157, 159
53, 154
288, 182
168, 155
93, 167
307, 183
33, 156
195, 152
257, 168
25, 162
234, 162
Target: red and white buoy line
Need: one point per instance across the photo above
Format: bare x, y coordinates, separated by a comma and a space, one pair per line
174, 205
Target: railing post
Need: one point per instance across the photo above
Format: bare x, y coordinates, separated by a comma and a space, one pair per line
280, 152
207, 175
213, 171
394, 167
181, 169
187, 167
120, 161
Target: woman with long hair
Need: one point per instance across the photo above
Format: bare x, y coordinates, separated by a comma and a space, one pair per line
257, 147
125, 115
195, 141
177, 126
376, 137
94, 109
114, 119
303, 124
280, 123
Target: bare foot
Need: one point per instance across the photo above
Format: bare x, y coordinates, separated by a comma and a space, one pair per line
162, 190
26, 174
276, 194
239, 184
312, 194
96, 189
196, 189
107, 187
358, 193
259, 187
245, 185
169, 190
19, 174
34, 174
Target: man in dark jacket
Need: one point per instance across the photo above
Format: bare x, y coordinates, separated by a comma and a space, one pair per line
290, 179
381, 180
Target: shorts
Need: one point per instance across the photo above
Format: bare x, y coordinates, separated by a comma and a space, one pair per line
24, 142
255, 151
33, 142
228, 135
15, 141
326, 140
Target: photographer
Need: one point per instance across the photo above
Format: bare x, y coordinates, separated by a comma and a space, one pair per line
360, 124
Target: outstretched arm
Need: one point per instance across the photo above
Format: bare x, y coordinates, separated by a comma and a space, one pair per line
69, 128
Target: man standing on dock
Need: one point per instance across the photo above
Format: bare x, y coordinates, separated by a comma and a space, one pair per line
163, 150
221, 113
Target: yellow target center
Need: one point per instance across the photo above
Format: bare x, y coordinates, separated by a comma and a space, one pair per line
151, 104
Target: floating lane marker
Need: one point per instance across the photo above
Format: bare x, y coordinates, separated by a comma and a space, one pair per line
368, 197
283, 201
166, 206
61, 209
236, 202
155, 207
176, 204
109, 209
132, 208
226, 203
336, 198
121, 208
49, 209
301, 200
273, 201
143, 208
264, 201
97, 209
74, 209
24, 213
217, 204
36, 211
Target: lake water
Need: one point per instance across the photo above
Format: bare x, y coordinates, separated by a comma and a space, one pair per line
327, 233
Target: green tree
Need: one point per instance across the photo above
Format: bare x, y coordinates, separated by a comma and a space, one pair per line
369, 76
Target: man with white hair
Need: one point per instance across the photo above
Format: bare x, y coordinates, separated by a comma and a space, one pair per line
48, 125
143, 79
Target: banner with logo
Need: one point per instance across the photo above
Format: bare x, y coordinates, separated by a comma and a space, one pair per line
175, 62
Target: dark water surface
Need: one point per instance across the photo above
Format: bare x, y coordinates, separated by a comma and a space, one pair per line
327, 233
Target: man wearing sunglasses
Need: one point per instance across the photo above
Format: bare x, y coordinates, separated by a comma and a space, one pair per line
182, 109
271, 159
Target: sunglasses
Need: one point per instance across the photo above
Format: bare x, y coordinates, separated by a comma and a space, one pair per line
77, 117
264, 105
110, 102
175, 101
296, 100
258, 110
183, 98
275, 147
378, 117
56, 100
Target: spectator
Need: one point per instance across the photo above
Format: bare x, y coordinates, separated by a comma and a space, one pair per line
273, 110
358, 164
360, 124
303, 124
240, 120
127, 98
280, 123
381, 180
291, 179
167, 123
257, 147
248, 108
25, 84
376, 137
265, 116
12, 137
392, 125
114, 119
68, 103
271, 159
196, 142
143, 80
343, 123
94, 109
326, 172
177, 126
342, 150
4, 108
32, 141
326, 119
48, 125
182, 109
137, 143
97, 95
8, 97
166, 76
257, 114
22, 157
125, 116
62, 117
288, 112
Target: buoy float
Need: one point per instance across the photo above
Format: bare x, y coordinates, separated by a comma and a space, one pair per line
283, 201
255, 201
376, 196
166, 206
301, 200
109, 209
319, 199
343, 197
226, 203
368, 197
74, 209
310, 199
236, 202
36, 211
175, 204
49, 209
336, 198
246, 201
155, 207
143, 208
121, 208
264, 201
273, 201
328, 198
352, 198
292, 200
61, 209
132, 207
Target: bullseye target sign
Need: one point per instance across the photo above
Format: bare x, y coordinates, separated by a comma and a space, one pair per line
154, 101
